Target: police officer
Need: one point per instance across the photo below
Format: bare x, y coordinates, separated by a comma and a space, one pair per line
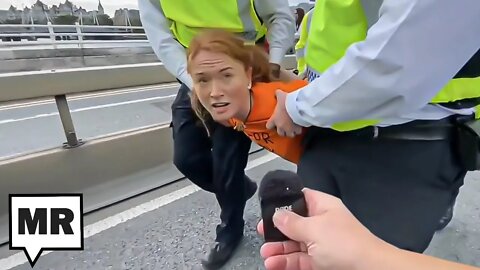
394, 86
215, 164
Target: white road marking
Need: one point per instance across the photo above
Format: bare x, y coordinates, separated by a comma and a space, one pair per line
261, 160
112, 221
6, 121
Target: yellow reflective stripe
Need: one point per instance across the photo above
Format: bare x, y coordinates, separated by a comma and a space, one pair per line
250, 21
302, 41
458, 89
246, 17
339, 23
191, 16
301, 65
253, 29
304, 27
309, 19
477, 112
354, 124
260, 28
261, 32
306, 22
336, 24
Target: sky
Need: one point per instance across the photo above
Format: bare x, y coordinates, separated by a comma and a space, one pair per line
109, 5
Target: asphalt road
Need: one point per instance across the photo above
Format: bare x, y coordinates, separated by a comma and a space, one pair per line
177, 235
34, 126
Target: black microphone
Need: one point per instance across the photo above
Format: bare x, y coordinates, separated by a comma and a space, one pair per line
280, 189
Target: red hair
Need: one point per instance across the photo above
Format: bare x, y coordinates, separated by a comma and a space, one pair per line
220, 41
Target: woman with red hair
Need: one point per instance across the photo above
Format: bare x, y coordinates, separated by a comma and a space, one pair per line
232, 84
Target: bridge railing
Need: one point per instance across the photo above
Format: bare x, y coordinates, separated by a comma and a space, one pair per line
55, 35
18, 35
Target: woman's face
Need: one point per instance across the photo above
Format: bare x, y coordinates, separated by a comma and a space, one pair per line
221, 84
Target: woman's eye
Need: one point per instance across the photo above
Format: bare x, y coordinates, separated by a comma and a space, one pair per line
228, 75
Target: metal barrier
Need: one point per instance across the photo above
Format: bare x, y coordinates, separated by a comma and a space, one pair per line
64, 82
77, 34
48, 83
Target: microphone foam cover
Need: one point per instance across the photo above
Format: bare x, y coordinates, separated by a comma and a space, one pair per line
279, 182
280, 189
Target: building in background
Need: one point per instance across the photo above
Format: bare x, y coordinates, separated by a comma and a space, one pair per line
69, 13
64, 13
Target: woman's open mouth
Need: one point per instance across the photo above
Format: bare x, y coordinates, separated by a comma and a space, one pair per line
220, 107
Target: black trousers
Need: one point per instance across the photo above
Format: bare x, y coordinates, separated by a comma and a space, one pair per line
399, 189
216, 164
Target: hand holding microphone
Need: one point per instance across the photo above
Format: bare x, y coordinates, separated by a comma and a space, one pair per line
308, 230
329, 237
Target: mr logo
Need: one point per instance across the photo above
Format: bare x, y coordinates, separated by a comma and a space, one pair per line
45, 222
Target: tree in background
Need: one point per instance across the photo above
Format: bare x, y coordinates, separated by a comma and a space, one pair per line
14, 21
104, 19
65, 20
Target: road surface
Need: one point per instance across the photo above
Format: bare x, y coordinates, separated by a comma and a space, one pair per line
177, 235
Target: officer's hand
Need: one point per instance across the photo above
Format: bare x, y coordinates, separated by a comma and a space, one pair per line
330, 238
275, 69
281, 120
